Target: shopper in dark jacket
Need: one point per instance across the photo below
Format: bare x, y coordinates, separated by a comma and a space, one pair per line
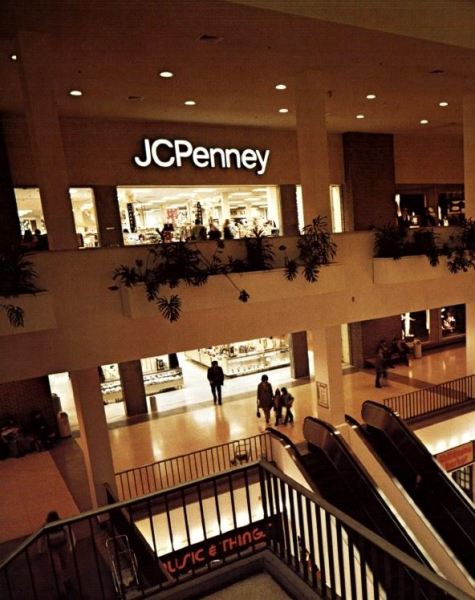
287, 401
216, 381
265, 397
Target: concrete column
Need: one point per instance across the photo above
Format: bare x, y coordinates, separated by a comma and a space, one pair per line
10, 233
94, 440
288, 209
470, 337
469, 153
328, 374
313, 146
133, 388
37, 78
299, 366
435, 335
108, 216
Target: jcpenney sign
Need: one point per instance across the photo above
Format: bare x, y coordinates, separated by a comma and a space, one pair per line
172, 153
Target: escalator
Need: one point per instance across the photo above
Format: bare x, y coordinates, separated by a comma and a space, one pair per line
450, 513
336, 475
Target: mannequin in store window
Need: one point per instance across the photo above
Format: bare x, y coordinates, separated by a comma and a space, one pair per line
227, 230
167, 231
199, 231
214, 233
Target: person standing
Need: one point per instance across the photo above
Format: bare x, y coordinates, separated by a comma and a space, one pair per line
60, 542
287, 400
265, 397
278, 406
216, 381
380, 367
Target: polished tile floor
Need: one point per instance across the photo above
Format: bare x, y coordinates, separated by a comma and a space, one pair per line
200, 426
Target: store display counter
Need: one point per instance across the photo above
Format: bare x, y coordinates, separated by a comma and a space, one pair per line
245, 363
169, 379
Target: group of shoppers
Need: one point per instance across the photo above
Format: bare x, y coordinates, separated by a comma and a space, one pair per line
278, 400
198, 231
267, 399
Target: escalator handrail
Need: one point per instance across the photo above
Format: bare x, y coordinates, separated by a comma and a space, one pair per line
365, 479
435, 469
296, 456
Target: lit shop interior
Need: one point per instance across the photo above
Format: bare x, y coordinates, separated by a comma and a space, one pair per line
183, 376
147, 211
431, 207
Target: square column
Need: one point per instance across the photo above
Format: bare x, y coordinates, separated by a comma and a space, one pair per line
94, 440
328, 374
288, 209
313, 146
470, 337
469, 154
299, 366
108, 216
133, 388
36, 60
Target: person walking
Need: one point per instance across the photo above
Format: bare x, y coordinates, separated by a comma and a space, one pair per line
265, 397
287, 400
278, 406
380, 366
216, 381
60, 542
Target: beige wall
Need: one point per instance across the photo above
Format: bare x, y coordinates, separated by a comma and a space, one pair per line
93, 328
423, 158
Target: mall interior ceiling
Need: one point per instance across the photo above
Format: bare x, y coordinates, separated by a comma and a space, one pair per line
228, 57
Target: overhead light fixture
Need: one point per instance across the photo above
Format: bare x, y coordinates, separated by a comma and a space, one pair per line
283, 110
423, 121
443, 103
13, 56
370, 96
166, 74
281, 86
190, 103
360, 116
75, 93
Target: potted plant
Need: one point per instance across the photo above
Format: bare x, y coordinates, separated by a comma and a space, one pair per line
17, 277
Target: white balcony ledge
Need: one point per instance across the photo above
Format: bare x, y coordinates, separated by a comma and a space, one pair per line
38, 313
407, 268
262, 286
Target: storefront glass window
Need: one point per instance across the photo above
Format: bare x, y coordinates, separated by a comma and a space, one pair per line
336, 208
452, 320
30, 213
416, 325
85, 219
149, 214
451, 208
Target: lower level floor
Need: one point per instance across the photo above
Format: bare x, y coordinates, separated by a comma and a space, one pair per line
56, 480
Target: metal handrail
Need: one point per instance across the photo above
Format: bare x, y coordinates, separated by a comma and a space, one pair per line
433, 399
138, 481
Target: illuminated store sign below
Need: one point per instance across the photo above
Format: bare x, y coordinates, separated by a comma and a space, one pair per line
171, 153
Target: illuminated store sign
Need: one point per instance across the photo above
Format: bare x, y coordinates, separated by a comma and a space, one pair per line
171, 153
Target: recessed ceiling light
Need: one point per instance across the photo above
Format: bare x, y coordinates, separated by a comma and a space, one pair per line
190, 103
75, 93
443, 103
360, 116
283, 110
166, 74
13, 56
281, 86
370, 96
423, 121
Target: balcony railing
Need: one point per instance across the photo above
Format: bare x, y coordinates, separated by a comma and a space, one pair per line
139, 548
432, 400
160, 475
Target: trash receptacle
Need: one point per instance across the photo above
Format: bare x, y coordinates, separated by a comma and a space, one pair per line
153, 404
417, 348
64, 429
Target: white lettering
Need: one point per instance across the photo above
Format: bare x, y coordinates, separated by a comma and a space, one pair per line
213, 152
229, 152
179, 150
156, 159
249, 158
148, 159
263, 161
185, 153
201, 157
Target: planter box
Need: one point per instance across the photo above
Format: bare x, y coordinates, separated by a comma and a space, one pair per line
39, 313
407, 268
263, 286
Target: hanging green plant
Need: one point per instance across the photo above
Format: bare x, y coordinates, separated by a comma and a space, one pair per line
460, 250
316, 249
17, 277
